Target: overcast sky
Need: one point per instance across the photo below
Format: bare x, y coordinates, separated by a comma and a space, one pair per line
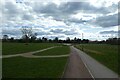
96, 19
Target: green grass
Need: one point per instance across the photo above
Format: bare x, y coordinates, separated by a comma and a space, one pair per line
62, 50
15, 48
20, 67
104, 53
0, 48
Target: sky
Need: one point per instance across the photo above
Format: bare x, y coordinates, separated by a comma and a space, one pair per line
96, 19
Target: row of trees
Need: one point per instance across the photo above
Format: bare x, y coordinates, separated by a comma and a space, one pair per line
26, 39
113, 41
29, 36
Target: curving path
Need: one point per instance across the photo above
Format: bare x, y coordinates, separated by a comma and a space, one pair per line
30, 54
52, 56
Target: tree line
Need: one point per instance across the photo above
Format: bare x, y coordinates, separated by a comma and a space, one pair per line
28, 36
34, 39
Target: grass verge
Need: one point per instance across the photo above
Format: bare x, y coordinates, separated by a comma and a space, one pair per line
104, 53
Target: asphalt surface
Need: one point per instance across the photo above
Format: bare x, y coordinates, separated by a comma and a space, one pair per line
81, 65
75, 67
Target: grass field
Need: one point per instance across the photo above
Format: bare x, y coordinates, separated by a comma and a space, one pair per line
15, 48
20, 67
55, 51
104, 53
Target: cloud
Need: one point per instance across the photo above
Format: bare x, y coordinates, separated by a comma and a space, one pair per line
11, 8
58, 19
42, 33
74, 7
11, 11
57, 30
109, 32
74, 20
13, 32
62, 31
107, 21
66, 9
27, 17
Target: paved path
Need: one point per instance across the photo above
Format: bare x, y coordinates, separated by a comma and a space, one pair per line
76, 67
82, 65
97, 69
30, 54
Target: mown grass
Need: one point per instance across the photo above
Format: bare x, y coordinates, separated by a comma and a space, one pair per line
104, 53
15, 48
20, 67
61, 50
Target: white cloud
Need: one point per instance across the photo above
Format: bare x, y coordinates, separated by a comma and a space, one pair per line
72, 17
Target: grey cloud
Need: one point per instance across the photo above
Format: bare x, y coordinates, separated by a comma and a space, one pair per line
13, 12
11, 8
27, 17
48, 9
61, 31
14, 32
66, 9
70, 32
57, 30
107, 21
76, 20
73, 7
69, 8
109, 32
42, 33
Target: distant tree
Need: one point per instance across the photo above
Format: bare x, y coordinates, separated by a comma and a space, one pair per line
5, 37
11, 39
44, 39
78, 40
39, 39
113, 41
60, 41
75, 40
33, 37
56, 39
26, 33
50, 40
67, 40
85, 41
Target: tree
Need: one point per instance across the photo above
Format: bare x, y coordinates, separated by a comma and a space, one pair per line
26, 31
27, 34
5, 37
78, 40
44, 39
67, 40
75, 40
56, 39
33, 37
12, 39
